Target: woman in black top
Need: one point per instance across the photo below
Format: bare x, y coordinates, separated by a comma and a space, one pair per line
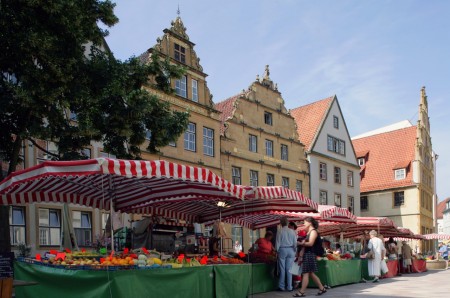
309, 253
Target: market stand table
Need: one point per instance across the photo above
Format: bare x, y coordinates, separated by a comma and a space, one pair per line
340, 272
419, 265
203, 281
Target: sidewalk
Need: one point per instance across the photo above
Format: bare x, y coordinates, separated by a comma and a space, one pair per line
435, 283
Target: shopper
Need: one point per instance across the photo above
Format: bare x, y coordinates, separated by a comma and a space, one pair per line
312, 247
406, 256
376, 245
286, 246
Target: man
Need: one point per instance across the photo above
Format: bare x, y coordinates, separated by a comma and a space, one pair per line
443, 251
286, 246
406, 256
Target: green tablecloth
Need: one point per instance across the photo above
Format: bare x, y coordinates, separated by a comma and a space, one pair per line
205, 281
335, 273
54, 282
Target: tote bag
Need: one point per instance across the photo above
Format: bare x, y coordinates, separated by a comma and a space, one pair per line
296, 269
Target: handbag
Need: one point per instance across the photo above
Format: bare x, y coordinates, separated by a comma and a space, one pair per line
384, 267
296, 269
370, 255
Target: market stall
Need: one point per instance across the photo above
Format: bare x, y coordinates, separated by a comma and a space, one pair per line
336, 273
419, 265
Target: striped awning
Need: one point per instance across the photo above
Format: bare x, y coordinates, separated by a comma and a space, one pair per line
382, 225
130, 184
436, 236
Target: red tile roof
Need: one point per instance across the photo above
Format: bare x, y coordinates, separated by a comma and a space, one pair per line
386, 151
440, 208
309, 119
227, 108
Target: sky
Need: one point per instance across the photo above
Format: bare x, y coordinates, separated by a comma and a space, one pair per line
374, 55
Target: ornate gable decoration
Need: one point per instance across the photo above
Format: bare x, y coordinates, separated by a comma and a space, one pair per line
178, 28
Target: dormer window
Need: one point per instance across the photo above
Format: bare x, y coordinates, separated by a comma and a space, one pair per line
179, 53
361, 161
400, 174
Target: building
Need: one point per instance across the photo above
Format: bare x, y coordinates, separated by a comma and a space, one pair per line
333, 168
443, 216
259, 142
398, 175
200, 144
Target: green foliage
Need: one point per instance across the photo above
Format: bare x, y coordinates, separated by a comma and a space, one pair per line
54, 61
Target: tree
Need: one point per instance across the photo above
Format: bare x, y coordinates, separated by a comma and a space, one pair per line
54, 62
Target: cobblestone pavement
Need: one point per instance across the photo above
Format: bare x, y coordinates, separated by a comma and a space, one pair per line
433, 283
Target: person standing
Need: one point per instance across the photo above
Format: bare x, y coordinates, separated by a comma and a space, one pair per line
443, 250
311, 247
406, 256
377, 246
286, 245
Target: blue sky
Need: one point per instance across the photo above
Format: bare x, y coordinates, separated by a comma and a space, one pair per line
375, 55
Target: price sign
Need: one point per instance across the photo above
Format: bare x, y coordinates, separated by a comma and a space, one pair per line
6, 264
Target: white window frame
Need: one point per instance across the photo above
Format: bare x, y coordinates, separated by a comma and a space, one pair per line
194, 90
270, 180
190, 137
252, 143
208, 141
17, 225
400, 174
253, 178
269, 148
337, 199
236, 176
361, 161
350, 180
181, 86
48, 229
82, 230
284, 152
336, 145
323, 171
323, 197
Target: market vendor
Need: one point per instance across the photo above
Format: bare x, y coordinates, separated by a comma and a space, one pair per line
264, 245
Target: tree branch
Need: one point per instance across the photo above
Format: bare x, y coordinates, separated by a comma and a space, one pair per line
43, 149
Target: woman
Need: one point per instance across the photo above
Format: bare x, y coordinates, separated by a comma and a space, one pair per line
308, 257
377, 246
264, 245
392, 249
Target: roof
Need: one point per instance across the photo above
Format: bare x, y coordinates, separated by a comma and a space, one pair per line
387, 151
441, 208
227, 109
309, 119
391, 127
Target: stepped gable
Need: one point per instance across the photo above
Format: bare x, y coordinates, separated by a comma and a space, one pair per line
386, 152
309, 119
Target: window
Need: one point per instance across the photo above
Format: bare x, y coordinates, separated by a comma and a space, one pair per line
253, 236
337, 200
364, 203
335, 122
17, 225
236, 175
179, 53
400, 174
180, 87
148, 134
299, 185
350, 178
323, 197
336, 145
107, 155
208, 141
189, 137
253, 178
361, 161
284, 152
270, 180
285, 182
268, 118
49, 227
194, 90
236, 234
252, 143
269, 148
399, 198
83, 227
323, 171
86, 152
351, 204
337, 175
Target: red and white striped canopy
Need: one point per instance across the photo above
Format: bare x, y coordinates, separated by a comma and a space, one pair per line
380, 224
336, 214
262, 203
436, 236
128, 183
